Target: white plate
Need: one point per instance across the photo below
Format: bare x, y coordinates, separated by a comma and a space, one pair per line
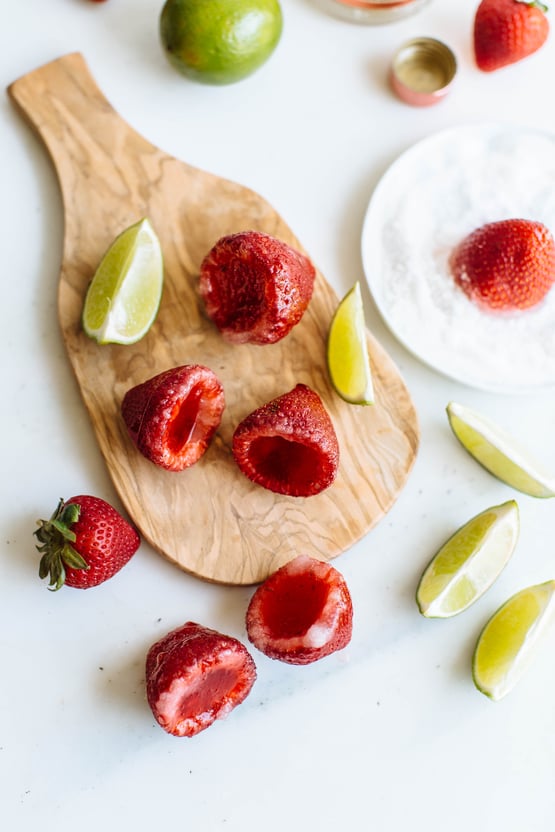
435, 194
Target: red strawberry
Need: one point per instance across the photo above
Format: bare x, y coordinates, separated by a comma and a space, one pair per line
289, 445
301, 613
505, 31
173, 416
255, 288
194, 676
85, 542
506, 265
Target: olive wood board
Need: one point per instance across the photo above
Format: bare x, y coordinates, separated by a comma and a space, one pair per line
210, 520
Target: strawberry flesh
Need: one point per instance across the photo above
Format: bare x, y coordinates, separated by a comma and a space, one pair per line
195, 675
506, 31
255, 287
507, 265
85, 542
173, 416
289, 444
301, 613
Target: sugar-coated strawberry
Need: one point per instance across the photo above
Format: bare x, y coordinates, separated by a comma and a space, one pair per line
301, 613
289, 445
173, 416
85, 542
507, 265
195, 675
255, 287
506, 31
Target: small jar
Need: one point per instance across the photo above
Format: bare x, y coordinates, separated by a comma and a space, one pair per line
374, 11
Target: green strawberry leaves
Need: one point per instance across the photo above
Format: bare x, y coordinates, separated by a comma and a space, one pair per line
55, 537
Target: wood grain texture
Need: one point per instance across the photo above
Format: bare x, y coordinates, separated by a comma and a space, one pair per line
210, 520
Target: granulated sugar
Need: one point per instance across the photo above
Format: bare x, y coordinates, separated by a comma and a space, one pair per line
429, 200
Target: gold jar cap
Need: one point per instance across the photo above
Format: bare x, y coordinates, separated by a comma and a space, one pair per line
423, 70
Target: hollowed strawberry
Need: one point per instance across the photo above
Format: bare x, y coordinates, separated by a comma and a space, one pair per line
195, 675
255, 287
173, 416
301, 613
289, 445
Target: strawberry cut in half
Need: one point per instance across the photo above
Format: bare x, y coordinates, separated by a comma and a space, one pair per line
506, 31
195, 675
301, 613
507, 265
173, 416
84, 543
289, 445
255, 287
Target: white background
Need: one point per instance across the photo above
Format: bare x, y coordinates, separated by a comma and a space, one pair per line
390, 734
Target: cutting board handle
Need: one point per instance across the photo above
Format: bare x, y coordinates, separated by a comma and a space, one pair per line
84, 135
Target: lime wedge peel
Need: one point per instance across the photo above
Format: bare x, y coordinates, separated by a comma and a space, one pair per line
124, 295
499, 453
507, 644
469, 562
347, 351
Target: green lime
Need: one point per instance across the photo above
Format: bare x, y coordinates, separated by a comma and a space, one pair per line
124, 295
507, 643
499, 453
219, 41
347, 351
469, 562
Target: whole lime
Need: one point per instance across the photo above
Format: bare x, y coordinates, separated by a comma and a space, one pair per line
219, 41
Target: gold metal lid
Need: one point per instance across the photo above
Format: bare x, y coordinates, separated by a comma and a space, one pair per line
423, 70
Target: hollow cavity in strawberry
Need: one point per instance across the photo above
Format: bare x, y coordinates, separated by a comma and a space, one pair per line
255, 287
289, 445
173, 416
84, 543
507, 265
301, 613
195, 675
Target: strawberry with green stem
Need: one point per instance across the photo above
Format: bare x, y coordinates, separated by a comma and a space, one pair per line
506, 31
85, 542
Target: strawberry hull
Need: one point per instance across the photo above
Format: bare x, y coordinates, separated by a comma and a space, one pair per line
173, 416
301, 613
255, 288
194, 676
289, 445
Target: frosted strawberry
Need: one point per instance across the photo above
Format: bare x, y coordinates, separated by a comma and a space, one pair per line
255, 287
195, 675
301, 613
507, 265
506, 31
84, 543
289, 445
173, 416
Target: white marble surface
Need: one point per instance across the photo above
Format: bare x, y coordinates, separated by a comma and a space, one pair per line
389, 734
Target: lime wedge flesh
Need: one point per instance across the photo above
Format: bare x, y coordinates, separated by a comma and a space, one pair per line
508, 641
347, 351
124, 295
469, 562
499, 453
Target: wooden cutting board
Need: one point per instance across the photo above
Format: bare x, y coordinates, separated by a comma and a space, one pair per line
210, 520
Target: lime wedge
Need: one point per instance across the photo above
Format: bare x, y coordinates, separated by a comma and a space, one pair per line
499, 453
347, 351
124, 295
469, 562
507, 643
